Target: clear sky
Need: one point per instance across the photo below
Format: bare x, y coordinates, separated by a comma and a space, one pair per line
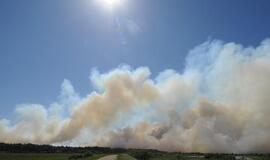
43, 42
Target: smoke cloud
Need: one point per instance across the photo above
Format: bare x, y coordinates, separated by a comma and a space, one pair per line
219, 103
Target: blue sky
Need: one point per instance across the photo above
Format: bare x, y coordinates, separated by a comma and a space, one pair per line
44, 42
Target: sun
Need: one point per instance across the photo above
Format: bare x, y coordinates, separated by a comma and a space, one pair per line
111, 4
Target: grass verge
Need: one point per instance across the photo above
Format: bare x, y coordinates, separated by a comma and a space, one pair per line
125, 157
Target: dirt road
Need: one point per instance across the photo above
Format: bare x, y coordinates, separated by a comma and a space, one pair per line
110, 157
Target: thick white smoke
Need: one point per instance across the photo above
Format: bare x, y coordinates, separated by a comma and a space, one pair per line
219, 103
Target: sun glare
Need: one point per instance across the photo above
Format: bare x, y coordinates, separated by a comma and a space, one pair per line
111, 4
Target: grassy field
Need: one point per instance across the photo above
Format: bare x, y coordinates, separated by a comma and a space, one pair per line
17, 156
125, 157
95, 157
47, 152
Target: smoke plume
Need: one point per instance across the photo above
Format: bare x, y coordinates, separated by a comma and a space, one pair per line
219, 103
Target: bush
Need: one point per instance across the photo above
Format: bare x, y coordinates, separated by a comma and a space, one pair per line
74, 157
141, 155
220, 157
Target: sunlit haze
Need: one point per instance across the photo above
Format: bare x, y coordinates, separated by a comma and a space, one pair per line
110, 5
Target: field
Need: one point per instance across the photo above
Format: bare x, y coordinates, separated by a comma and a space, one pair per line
47, 152
27, 156
43, 156
125, 157
36, 156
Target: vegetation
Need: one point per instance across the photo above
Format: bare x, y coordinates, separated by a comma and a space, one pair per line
36, 156
86, 157
31, 148
125, 157
96, 157
81, 156
47, 152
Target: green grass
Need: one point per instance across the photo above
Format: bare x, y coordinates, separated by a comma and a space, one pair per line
96, 156
125, 157
164, 157
259, 157
36, 156
44, 156
174, 157
14, 156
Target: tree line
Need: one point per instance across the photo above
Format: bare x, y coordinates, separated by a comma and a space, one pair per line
33, 148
